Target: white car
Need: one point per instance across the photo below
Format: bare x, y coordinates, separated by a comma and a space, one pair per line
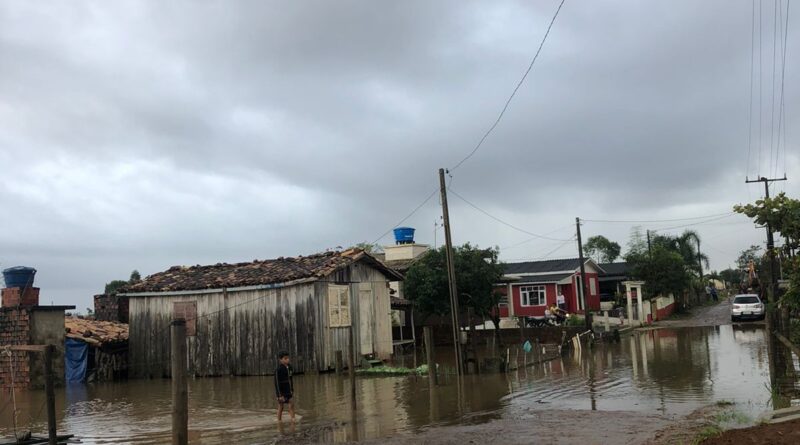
747, 306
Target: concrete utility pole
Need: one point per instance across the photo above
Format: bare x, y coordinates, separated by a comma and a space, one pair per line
699, 259
587, 315
773, 270
451, 275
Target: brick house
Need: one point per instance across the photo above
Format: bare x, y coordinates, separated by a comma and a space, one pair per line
532, 286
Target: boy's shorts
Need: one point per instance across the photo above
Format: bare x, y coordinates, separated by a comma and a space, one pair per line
286, 398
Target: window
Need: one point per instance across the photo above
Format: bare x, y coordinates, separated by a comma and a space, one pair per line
338, 306
186, 310
592, 286
533, 295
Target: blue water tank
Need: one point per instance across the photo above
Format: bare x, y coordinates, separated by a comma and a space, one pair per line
404, 235
19, 276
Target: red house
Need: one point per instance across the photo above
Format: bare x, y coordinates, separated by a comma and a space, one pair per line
534, 285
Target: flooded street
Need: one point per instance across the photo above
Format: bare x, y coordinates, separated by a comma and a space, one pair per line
636, 385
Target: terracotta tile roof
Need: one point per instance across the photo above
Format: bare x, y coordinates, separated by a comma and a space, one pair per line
95, 332
254, 273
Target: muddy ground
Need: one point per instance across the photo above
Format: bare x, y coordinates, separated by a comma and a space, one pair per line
786, 433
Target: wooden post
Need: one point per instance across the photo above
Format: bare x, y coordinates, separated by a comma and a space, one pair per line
414, 337
180, 390
49, 351
427, 336
352, 367
339, 362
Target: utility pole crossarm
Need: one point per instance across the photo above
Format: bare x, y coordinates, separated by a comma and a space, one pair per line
773, 272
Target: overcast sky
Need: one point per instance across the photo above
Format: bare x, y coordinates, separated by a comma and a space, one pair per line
141, 135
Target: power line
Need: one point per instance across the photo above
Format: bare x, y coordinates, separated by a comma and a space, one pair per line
513, 93
536, 235
535, 238
547, 255
642, 221
774, 69
695, 224
425, 201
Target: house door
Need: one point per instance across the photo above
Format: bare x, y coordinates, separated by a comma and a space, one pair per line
366, 312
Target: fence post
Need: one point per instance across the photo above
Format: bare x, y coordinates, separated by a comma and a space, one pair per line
352, 367
49, 350
339, 362
180, 390
427, 336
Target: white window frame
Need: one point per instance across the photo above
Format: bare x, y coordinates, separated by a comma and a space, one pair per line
338, 307
526, 292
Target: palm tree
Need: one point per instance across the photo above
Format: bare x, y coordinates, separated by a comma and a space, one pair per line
694, 259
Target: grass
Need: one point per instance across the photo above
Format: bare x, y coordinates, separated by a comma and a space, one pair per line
724, 403
708, 432
732, 417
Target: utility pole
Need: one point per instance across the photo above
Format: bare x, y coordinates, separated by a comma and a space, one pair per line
649, 247
180, 390
699, 260
773, 275
451, 275
587, 315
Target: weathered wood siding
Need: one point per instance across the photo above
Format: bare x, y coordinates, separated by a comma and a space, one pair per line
242, 332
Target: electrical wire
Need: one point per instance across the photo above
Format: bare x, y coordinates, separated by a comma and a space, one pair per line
513, 93
643, 221
695, 224
752, 75
507, 224
536, 238
425, 201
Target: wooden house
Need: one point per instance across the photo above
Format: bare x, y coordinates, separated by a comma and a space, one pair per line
240, 316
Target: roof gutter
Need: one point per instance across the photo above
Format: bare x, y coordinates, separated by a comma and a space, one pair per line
220, 290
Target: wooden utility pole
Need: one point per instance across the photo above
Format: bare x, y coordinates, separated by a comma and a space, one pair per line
587, 315
352, 365
180, 390
451, 276
50, 393
649, 246
773, 270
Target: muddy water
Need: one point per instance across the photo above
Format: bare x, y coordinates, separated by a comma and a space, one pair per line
667, 372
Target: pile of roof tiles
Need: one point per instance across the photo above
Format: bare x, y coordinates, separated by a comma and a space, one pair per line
95, 332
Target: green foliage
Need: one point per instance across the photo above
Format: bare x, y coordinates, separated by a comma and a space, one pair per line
782, 214
114, 286
731, 276
601, 249
662, 268
708, 432
477, 271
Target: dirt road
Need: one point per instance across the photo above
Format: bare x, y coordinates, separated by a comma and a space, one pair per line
714, 315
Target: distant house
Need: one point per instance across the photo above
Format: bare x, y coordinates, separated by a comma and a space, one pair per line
614, 274
240, 316
531, 286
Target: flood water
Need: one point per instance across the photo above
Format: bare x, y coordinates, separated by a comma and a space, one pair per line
668, 372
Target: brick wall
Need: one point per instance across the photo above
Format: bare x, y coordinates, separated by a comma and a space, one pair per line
14, 330
111, 308
18, 296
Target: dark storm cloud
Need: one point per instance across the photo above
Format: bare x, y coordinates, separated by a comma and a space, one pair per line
154, 134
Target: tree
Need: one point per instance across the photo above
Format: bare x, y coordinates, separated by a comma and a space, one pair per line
601, 249
114, 286
731, 276
782, 214
686, 246
661, 266
477, 271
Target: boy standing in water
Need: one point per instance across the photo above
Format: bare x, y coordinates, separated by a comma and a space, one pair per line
283, 385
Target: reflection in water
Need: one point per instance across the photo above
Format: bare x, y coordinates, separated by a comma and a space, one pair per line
662, 371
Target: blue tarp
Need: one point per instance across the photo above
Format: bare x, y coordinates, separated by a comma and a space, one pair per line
76, 356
